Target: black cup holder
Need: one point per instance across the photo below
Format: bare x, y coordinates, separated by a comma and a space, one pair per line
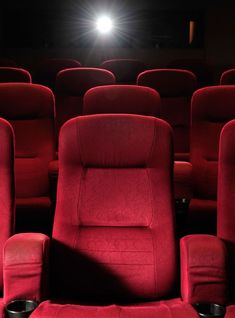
210, 310
20, 308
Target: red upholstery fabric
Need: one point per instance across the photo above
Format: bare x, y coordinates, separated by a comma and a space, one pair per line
30, 110
111, 176
113, 246
140, 100
164, 309
26, 267
198, 66
125, 70
203, 269
228, 77
47, 70
183, 179
6, 188
129, 99
230, 311
13, 74
175, 88
212, 107
226, 201
72, 84
2, 308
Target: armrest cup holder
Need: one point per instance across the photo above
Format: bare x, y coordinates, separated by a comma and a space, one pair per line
20, 308
207, 310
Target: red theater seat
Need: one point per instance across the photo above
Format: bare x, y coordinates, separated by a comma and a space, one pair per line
138, 100
125, 70
30, 110
129, 99
212, 108
47, 70
13, 74
72, 84
175, 88
113, 251
6, 194
226, 202
228, 77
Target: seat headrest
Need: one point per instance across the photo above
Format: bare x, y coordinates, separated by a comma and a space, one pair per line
113, 140
129, 99
169, 82
77, 81
13, 74
228, 77
26, 101
214, 104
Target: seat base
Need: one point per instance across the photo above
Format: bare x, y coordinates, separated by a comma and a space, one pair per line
160, 309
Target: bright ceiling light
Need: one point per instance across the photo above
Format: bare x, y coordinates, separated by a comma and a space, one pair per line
104, 24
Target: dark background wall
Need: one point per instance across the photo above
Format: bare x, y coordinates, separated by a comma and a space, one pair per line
219, 26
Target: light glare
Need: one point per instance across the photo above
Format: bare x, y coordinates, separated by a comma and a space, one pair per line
104, 24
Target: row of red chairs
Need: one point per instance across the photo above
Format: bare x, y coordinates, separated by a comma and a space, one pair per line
125, 70
174, 86
31, 110
113, 252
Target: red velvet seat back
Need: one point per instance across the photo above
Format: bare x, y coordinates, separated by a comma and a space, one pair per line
6, 188
30, 110
226, 196
129, 99
72, 84
175, 88
13, 74
125, 70
114, 230
212, 107
228, 77
47, 70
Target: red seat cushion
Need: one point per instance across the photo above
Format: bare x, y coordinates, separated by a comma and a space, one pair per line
165, 309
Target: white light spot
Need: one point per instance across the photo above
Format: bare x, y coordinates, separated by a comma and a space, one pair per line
104, 24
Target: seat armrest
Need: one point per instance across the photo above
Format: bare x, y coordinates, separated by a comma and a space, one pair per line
25, 267
183, 180
203, 269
